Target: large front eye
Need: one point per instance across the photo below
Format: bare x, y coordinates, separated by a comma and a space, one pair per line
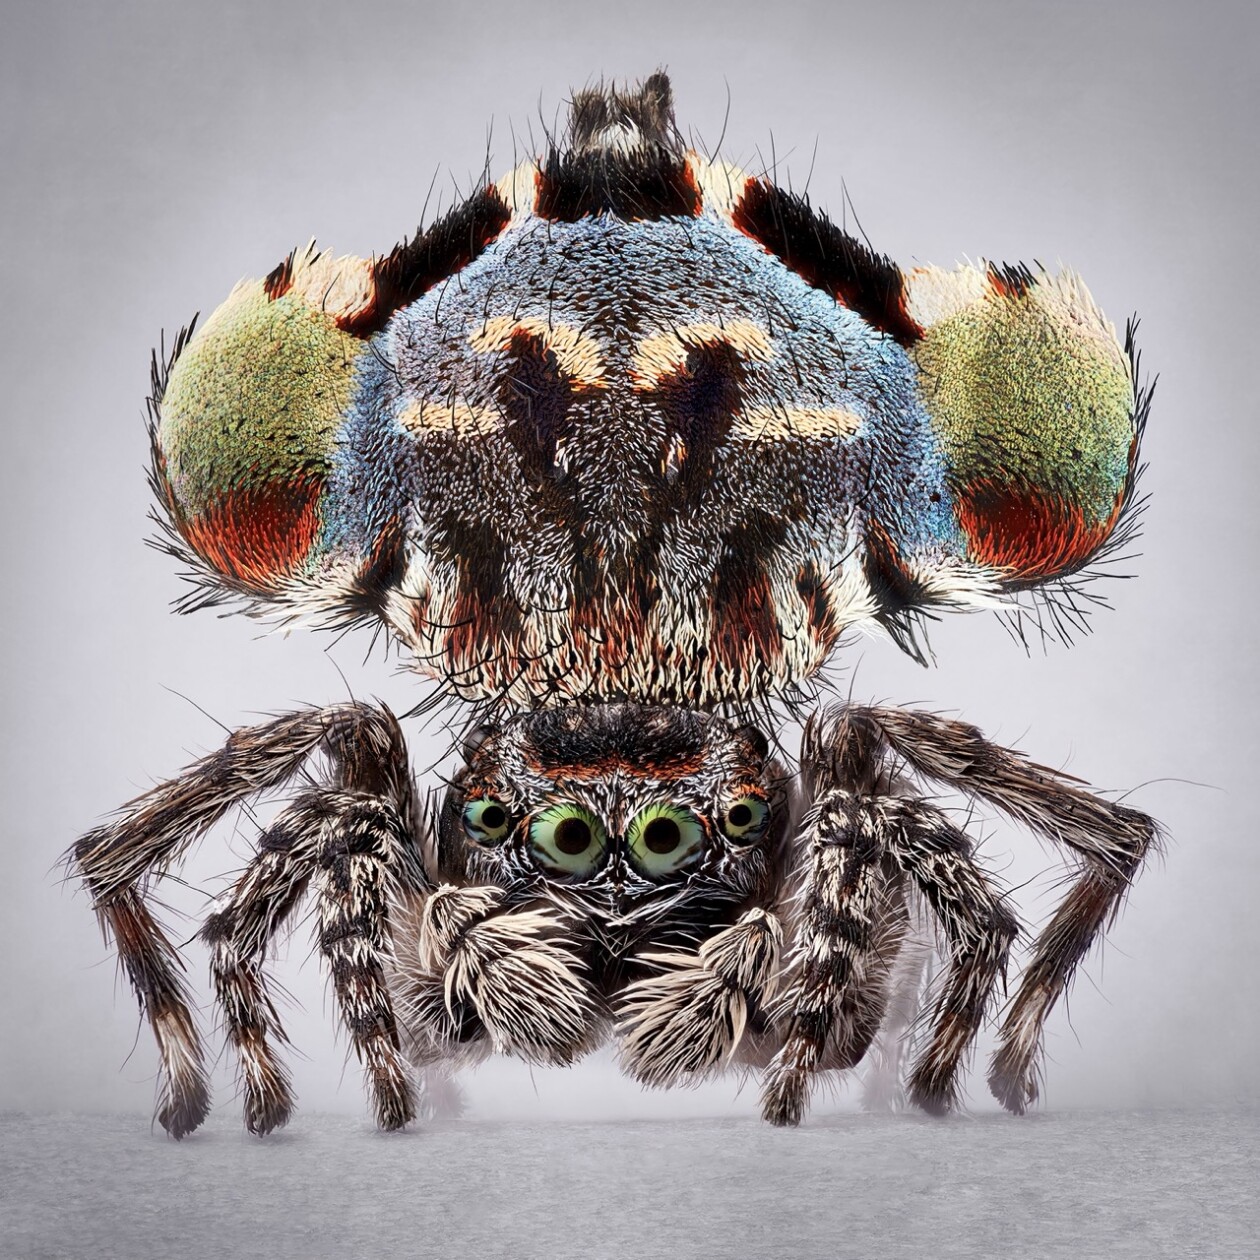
485, 820
663, 838
568, 839
746, 819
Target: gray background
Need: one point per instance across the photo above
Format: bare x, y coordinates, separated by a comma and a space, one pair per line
155, 153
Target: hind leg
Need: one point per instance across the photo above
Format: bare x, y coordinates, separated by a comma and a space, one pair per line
883, 1080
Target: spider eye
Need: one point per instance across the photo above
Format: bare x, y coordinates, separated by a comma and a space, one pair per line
746, 819
664, 838
485, 820
568, 839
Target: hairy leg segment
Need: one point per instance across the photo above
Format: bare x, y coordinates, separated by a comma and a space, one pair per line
688, 1022
1110, 843
354, 837
867, 752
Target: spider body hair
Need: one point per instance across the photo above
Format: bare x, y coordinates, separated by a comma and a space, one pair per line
619, 450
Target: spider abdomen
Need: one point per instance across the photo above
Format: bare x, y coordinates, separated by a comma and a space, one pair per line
632, 423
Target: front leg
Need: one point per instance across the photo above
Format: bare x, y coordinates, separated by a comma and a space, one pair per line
840, 936
475, 975
360, 868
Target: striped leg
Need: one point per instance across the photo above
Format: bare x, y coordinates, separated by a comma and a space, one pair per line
1110, 840
978, 927
1090, 906
362, 864
689, 1020
363, 743
837, 941
263, 901
155, 969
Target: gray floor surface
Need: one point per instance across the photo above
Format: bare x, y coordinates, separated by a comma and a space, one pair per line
1146, 1184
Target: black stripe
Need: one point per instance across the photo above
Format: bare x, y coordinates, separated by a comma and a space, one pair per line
827, 258
535, 397
699, 401
411, 269
644, 184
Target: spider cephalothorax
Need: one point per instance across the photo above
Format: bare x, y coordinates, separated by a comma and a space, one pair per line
629, 812
618, 450
642, 829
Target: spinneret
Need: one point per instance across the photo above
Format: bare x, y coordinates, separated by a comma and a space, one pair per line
619, 449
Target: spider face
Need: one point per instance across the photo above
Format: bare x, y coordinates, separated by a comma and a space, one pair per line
635, 814
626, 441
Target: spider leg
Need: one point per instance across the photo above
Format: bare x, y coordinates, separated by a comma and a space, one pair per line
475, 974
979, 927
155, 970
843, 946
843, 903
1111, 840
361, 866
357, 849
364, 745
439, 1094
689, 1020
1090, 906
264, 899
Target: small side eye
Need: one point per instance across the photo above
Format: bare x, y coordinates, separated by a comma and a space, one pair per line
485, 820
664, 838
568, 840
746, 819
